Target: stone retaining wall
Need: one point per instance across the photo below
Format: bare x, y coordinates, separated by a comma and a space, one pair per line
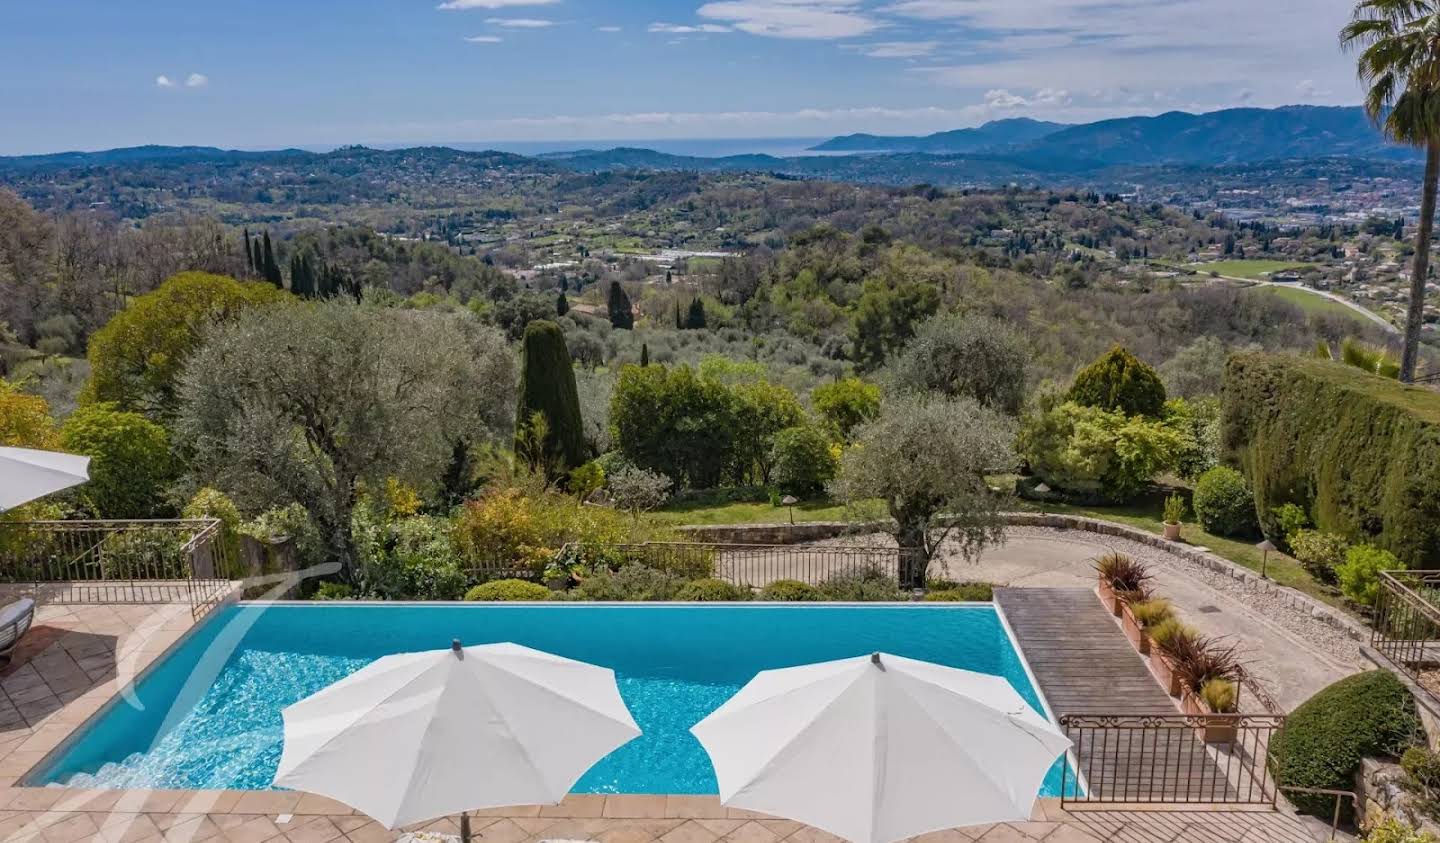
821, 530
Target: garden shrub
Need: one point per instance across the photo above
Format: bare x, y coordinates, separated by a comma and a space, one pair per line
1288, 519
1120, 382
1422, 777
1359, 574
1319, 553
862, 586
1198, 423
507, 590
406, 558
130, 462
632, 582
802, 460
213, 503
790, 591
1388, 828
965, 592
1361, 453
334, 591
1094, 454
1323, 741
547, 387
711, 590
291, 522
1223, 503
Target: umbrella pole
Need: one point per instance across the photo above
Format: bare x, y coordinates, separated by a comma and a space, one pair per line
465, 827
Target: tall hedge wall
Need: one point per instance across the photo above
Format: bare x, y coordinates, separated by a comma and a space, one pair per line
1360, 452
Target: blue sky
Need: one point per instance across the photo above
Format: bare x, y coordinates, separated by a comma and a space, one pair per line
90, 75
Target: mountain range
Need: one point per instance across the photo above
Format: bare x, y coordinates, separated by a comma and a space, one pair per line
1229, 136
999, 151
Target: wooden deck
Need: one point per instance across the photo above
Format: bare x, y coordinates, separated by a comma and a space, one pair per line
1085, 665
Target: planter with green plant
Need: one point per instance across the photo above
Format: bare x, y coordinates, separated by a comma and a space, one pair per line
1139, 617
1174, 513
1167, 638
1209, 674
1121, 580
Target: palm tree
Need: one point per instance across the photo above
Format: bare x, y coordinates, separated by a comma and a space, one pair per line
1399, 62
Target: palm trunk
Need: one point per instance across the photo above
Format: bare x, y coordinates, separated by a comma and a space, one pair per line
1415, 315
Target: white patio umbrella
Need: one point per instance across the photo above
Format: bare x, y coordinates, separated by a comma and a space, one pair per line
418, 736
879, 748
27, 474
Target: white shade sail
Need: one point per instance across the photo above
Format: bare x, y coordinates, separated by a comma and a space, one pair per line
27, 474
417, 736
879, 748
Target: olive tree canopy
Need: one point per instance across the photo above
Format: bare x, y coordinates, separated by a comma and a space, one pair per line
926, 457
306, 403
965, 357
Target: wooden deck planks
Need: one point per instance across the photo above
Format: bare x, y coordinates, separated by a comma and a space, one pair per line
1085, 665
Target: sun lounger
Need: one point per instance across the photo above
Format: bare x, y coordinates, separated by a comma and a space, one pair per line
15, 620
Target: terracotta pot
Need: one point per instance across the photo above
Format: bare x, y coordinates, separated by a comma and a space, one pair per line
1109, 597
1164, 671
1218, 729
1172, 531
1134, 631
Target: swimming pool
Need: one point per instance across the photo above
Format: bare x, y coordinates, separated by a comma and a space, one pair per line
208, 716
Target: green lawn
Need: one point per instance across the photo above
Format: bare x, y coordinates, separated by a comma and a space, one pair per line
746, 513
1143, 514
1253, 269
1308, 302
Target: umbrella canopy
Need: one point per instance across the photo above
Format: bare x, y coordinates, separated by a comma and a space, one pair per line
27, 474
880, 748
417, 736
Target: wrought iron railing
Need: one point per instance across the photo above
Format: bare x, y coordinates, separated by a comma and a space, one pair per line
1170, 759
1406, 628
132, 561
752, 565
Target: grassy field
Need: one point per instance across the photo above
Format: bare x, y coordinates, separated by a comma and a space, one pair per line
1253, 269
1143, 514
1308, 302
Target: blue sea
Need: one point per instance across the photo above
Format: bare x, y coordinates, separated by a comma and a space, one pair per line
208, 716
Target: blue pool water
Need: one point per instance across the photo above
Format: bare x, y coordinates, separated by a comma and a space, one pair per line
208, 716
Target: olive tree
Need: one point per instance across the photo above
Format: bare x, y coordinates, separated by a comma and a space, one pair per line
925, 457
965, 357
309, 403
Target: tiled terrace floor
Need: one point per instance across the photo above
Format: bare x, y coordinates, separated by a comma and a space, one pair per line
77, 656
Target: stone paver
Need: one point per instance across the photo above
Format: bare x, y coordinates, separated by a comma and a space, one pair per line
43, 699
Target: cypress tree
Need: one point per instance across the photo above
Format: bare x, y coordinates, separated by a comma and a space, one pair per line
644, 355
272, 268
696, 318
679, 320
622, 315
547, 386
249, 256
667, 276
562, 305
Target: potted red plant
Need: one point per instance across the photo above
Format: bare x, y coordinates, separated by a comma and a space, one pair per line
1120, 575
1209, 676
1168, 638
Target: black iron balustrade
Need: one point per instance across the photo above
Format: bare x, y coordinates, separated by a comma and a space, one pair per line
121, 561
1406, 627
750, 565
1204, 759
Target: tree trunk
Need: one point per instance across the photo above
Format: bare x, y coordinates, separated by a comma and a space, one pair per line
1415, 315
914, 559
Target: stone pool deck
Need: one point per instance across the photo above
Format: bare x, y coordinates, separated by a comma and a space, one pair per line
78, 657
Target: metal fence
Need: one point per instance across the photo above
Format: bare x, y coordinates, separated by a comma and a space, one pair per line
131, 561
1406, 629
750, 565
1170, 759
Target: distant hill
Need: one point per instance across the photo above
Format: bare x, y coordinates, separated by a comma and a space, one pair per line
1230, 136
994, 136
139, 155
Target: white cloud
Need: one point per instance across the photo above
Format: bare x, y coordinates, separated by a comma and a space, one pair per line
163, 81
458, 5
197, 80
607, 28
1003, 99
818, 19
683, 28
484, 39
520, 23
1309, 90
895, 49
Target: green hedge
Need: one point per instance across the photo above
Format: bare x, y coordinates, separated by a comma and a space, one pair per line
1368, 714
1360, 452
506, 590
